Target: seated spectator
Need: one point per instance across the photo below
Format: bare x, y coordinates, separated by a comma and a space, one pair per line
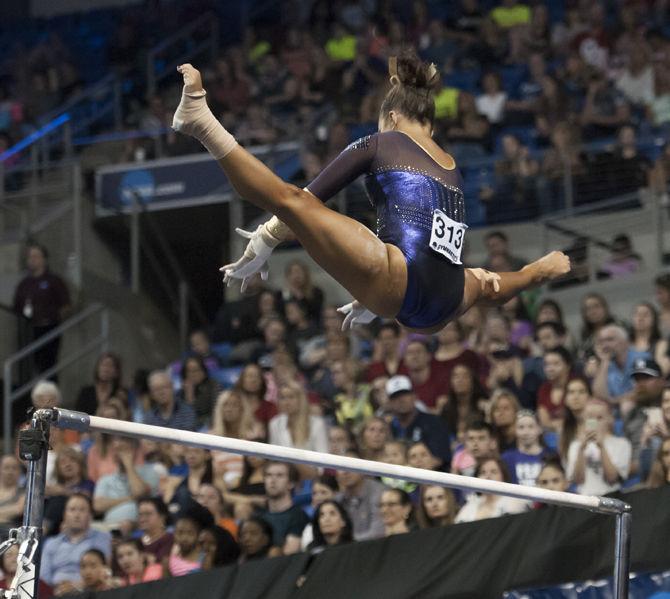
386, 358
596, 314
656, 428
106, 384
210, 497
256, 536
12, 494
479, 506
636, 80
70, 473
551, 394
420, 456
287, 519
605, 109
646, 333
598, 462
437, 507
577, 395
134, 563
452, 350
548, 336
521, 328
61, 553
168, 411
8, 565
497, 248
469, 134
375, 432
410, 424
323, 488
295, 426
479, 443
340, 439
491, 103
274, 338
395, 507
116, 494
395, 452
504, 358
152, 521
186, 556
623, 261
96, 575
298, 286
250, 492
181, 490
520, 109
331, 525
198, 390
662, 293
428, 379
659, 475
251, 384
504, 408
466, 398
351, 404
301, 328
201, 347
360, 497
525, 461
552, 477
218, 546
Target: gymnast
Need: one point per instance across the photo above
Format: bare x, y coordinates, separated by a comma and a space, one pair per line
411, 270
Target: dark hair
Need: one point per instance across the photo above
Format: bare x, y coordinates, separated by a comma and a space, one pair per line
479, 425
197, 514
450, 410
503, 467
655, 335
83, 496
265, 526
327, 481
570, 424
499, 234
413, 85
136, 543
117, 364
99, 554
588, 329
193, 358
555, 305
557, 327
565, 355
159, 505
347, 532
663, 280
247, 468
238, 383
293, 474
34, 245
227, 550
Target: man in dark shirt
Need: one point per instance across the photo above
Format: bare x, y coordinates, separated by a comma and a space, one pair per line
42, 299
411, 426
168, 410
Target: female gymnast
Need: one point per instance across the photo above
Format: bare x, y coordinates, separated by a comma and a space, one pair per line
412, 269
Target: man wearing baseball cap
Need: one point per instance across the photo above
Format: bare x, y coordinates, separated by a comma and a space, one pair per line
411, 425
647, 391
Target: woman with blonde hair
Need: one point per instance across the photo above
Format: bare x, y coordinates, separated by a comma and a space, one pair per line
374, 434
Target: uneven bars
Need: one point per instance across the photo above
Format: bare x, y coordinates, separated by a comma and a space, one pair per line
84, 423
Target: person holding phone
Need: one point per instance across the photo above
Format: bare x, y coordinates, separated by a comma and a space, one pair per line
598, 462
656, 428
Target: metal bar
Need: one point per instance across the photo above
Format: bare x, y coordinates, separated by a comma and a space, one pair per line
622, 553
315, 458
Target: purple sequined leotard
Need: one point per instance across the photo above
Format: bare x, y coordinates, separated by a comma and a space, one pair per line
406, 186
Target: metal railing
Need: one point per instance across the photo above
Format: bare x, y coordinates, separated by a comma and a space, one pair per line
181, 47
98, 342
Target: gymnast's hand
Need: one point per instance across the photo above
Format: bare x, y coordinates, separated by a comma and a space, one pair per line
254, 260
355, 313
485, 277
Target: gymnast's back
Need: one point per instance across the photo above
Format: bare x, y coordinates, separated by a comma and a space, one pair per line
420, 209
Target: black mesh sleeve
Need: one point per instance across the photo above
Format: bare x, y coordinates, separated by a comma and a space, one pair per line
355, 160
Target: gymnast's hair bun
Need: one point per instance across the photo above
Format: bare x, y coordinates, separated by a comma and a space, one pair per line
410, 71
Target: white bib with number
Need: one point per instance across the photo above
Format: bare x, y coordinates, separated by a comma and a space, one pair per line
447, 236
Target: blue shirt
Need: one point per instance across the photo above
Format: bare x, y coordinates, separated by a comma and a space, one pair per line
116, 486
182, 417
524, 468
619, 380
60, 556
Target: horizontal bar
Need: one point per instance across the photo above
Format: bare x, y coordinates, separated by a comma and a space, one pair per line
70, 419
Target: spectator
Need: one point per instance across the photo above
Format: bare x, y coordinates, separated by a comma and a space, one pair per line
479, 506
12, 495
8, 564
548, 336
152, 520
468, 134
437, 507
101, 459
395, 452
521, 328
552, 477
274, 338
428, 380
612, 380
645, 399
351, 403
660, 470
551, 394
218, 546
491, 103
298, 286
210, 497
331, 525
504, 408
295, 426
250, 492
42, 299
287, 520
410, 424
386, 358
360, 498
106, 384
251, 384
623, 261
168, 411
636, 80
95, 574
395, 507
506, 365
340, 439
595, 315
479, 443
605, 109
133, 562
656, 428
301, 328
181, 490
323, 488
466, 398
255, 539
662, 285
186, 556
420, 456
61, 554
646, 334
452, 350
498, 254
525, 461
511, 14
598, 462
375, 432
577, 395
201, 347
198, 390
116, 494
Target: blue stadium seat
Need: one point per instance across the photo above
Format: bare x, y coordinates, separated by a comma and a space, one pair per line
222, 351
466, 80
227, 377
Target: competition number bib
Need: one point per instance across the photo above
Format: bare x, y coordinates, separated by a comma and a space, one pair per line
447, 236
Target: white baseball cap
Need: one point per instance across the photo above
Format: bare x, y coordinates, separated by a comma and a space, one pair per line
398, 384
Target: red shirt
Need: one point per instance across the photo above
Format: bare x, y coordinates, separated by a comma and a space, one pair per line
466, 358
436, 384
544, 401
377, 369
266, 411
